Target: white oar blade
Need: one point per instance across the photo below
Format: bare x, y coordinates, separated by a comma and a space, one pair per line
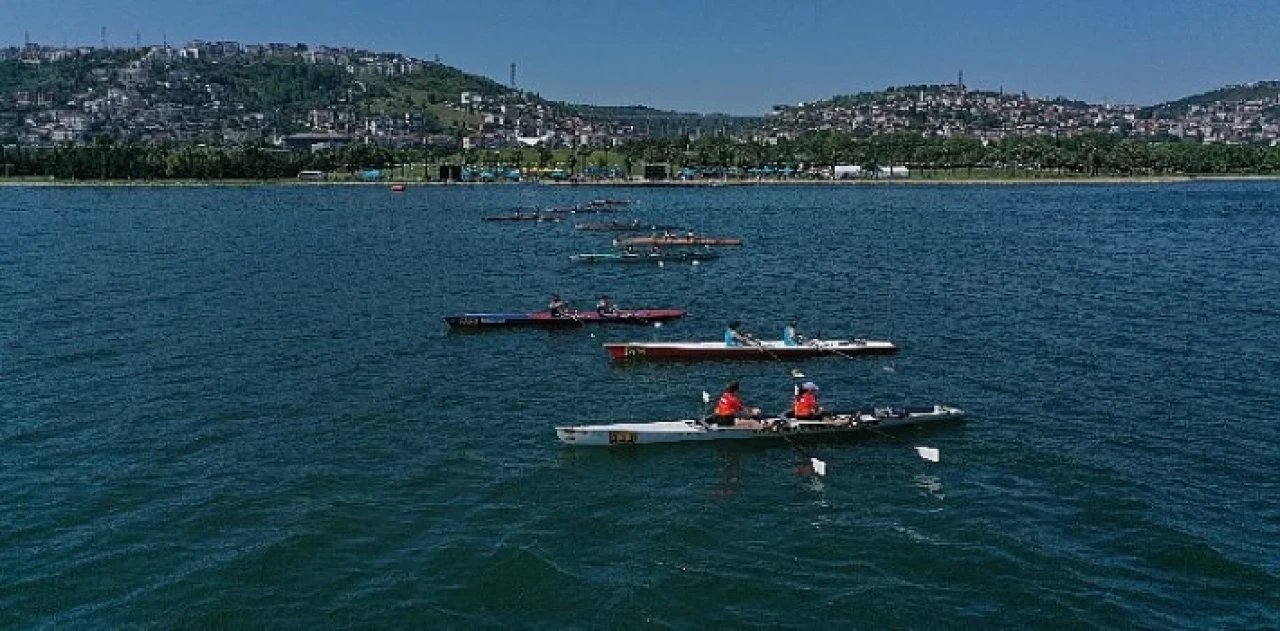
796, 374
819, 467
706, 397
929, 453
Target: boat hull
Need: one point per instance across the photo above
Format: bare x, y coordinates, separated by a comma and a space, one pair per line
677, 241
769, 349
683, 431
622, 227
544, 319
664, 257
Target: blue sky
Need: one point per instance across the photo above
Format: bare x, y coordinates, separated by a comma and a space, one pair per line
739, 56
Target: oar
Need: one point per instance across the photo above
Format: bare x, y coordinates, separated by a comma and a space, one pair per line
794, 372
819, 466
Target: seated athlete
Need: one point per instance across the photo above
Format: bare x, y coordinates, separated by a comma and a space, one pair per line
735, 337
729, 408
806, 406
605, 307
557, 307
789, 335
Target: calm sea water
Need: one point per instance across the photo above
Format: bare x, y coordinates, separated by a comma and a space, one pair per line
240, 408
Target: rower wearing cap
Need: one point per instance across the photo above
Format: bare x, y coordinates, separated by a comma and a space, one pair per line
806, 406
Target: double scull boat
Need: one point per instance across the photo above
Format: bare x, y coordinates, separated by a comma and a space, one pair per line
838, 424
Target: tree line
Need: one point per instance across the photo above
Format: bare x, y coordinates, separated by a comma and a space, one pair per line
1086, 155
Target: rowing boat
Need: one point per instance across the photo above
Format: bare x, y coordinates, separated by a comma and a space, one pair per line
661, 240
609, 202
523, 217
580, 210
636, 257
692, 430
544, 319
623, 226
765, 349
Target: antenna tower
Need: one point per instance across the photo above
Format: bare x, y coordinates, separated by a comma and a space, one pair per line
513, 74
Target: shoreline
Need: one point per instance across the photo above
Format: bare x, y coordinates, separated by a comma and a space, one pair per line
1103, 180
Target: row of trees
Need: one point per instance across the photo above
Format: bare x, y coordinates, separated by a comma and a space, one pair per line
1090, 154
1083, 155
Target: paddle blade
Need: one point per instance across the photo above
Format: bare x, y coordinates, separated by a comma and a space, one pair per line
796, 374
929, 453
819, 467
706, 397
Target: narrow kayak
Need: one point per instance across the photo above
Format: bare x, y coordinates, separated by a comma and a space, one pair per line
765, 349
544, 319
661, 240
623, 226
523, 217
695, 430
637, 257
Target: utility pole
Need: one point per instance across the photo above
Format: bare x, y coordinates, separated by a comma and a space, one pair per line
513, 75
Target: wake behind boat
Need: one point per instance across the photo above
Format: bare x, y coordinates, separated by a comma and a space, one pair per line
568, 319
838, 424
765, 349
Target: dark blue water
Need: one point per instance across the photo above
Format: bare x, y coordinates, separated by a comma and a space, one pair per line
240, 408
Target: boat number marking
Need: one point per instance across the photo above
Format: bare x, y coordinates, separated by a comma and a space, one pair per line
622, 438
468, 321
633, 351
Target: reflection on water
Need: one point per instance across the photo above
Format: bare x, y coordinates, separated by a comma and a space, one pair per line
930, 486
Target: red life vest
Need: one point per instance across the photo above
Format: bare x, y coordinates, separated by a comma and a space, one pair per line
728, 405
806, 404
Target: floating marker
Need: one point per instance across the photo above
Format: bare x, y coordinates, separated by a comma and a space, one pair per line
929, 453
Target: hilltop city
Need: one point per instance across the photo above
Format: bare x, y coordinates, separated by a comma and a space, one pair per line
304, 97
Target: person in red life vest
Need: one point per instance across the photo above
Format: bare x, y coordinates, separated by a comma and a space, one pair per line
730, 408
806, 406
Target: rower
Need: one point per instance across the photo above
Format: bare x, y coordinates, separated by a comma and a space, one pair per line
789, 335
729, 408
605, 308
557, 307
806, 406
734, 337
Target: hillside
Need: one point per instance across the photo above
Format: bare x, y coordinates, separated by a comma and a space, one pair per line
1259, 92
229, 93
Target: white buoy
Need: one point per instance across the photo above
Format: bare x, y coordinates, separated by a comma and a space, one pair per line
929, 453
